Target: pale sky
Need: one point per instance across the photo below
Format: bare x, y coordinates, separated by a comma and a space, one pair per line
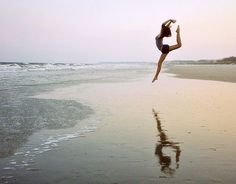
87, 31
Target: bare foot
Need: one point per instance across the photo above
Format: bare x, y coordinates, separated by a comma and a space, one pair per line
154, 79
177, 30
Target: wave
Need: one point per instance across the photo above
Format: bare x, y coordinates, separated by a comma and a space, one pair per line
11, 66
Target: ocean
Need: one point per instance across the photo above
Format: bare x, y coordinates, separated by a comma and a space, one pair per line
22, 115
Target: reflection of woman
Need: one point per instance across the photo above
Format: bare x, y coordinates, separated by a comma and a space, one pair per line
164, 48
164, 160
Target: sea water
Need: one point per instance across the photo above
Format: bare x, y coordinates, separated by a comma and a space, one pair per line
31, 126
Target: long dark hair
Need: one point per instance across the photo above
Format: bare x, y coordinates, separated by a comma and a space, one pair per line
165, 31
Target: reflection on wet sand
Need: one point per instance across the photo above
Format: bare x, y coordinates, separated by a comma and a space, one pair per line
164, 142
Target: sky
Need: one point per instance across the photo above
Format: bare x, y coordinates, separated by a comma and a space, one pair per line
89, 31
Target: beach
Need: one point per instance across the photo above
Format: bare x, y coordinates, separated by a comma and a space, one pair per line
217, 72
127, 129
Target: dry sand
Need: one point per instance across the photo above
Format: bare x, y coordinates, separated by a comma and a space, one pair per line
226, 73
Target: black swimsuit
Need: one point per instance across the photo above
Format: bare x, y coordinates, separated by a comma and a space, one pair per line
159, 43
163, 48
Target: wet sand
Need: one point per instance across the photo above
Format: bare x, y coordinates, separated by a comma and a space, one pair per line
226, 73
173, 131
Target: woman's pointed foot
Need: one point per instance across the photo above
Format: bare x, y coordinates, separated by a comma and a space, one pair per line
178, 29
154, 79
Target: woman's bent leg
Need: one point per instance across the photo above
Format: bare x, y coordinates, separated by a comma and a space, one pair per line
178, 39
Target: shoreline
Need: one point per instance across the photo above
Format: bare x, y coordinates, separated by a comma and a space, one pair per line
223, 73
140, 133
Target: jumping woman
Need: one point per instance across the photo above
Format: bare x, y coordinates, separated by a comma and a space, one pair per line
164, 48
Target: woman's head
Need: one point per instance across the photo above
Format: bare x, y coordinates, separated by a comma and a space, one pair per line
165, 31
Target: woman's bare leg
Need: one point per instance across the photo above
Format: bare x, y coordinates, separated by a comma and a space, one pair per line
161, 59
178, 39
163, 56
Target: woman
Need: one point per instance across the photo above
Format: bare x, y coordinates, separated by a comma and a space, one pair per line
165, 49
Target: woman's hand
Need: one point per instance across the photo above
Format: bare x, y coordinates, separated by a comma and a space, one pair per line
168, 22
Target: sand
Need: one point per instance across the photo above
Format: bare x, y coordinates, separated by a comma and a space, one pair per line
194, 144
225, 73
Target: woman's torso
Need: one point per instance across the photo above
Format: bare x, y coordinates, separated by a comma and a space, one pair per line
159, 42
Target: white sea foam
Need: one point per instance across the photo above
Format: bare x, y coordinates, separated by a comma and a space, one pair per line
25, 159
6, 177
19, 153
65, 66
9, 168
